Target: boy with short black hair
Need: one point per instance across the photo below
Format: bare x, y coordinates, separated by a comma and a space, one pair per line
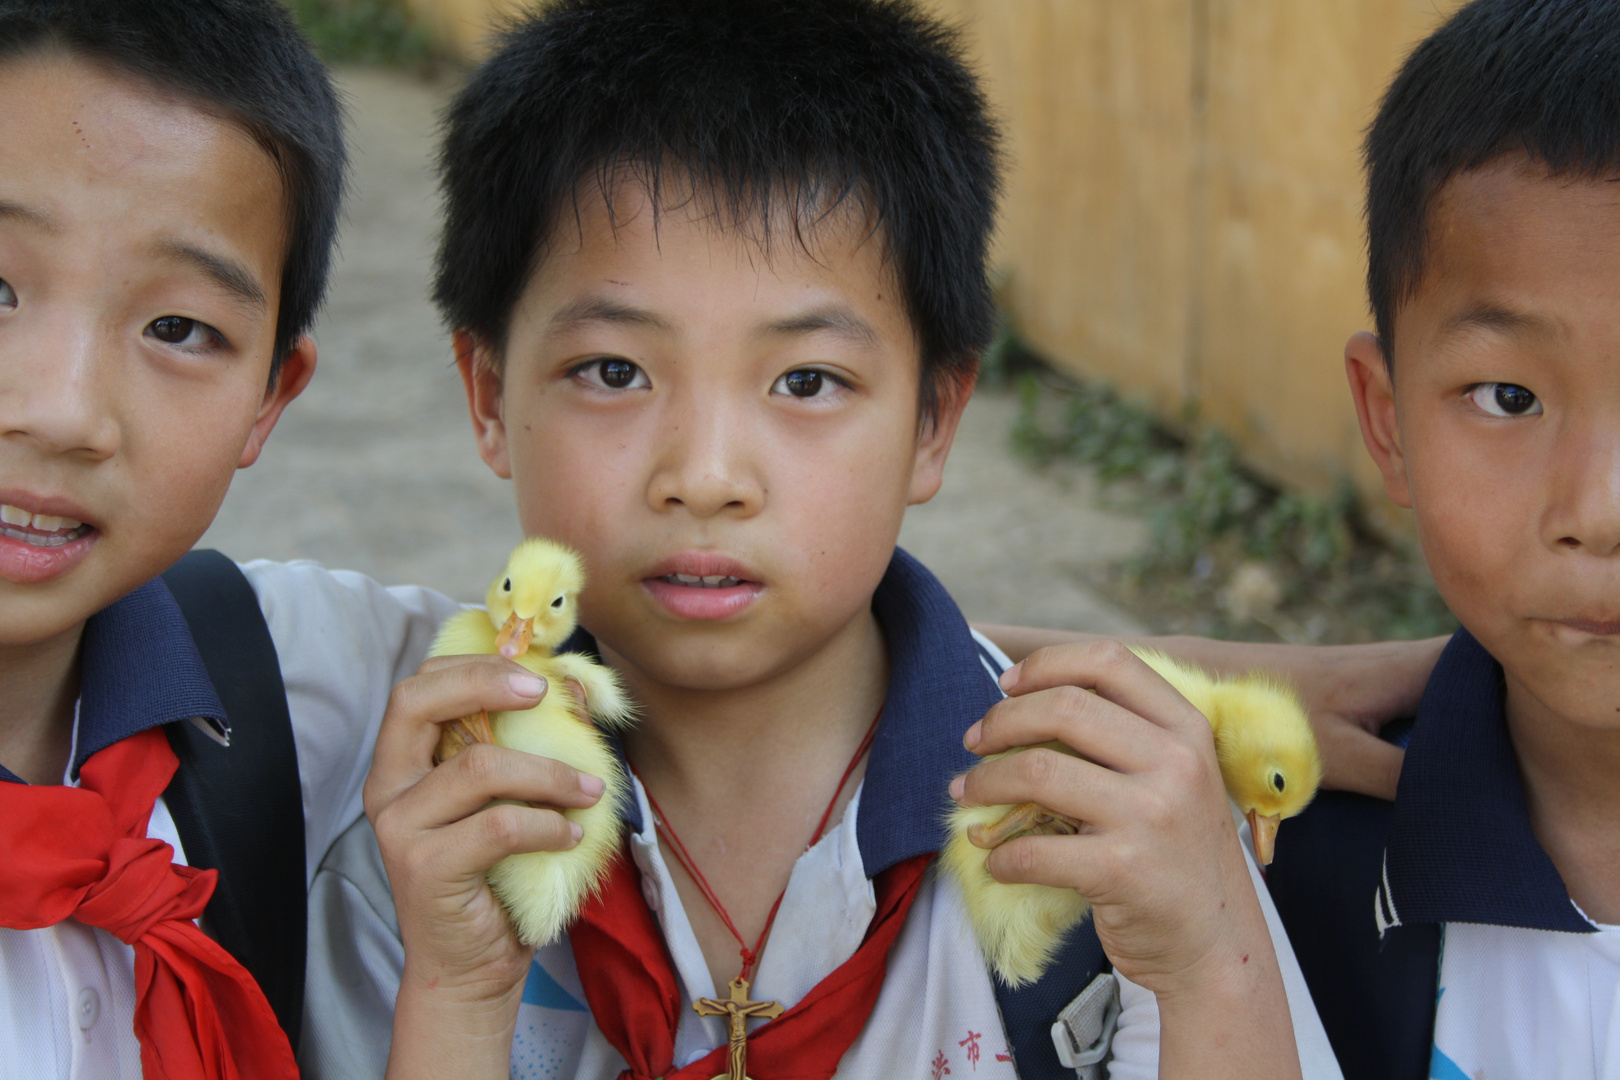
169, 183
1473, 929
717, 275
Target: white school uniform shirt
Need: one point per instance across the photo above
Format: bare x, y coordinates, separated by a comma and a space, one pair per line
1527, 982
67, 992
936, 1015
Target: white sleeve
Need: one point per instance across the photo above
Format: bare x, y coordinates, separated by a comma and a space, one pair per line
355, 962
1136, 1040
343, 641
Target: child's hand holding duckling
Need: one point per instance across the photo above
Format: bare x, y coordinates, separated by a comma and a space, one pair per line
1157, 831
439, 836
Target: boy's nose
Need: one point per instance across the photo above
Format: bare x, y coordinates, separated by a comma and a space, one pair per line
706, 465
51, 396
1587, 517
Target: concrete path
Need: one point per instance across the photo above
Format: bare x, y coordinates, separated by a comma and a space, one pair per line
373, 469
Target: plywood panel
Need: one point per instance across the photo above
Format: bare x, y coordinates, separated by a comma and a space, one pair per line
1292, 87
1095, 230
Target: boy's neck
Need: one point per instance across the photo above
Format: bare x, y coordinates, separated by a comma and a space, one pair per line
1569, 772
39, 683
744, 774
689, 742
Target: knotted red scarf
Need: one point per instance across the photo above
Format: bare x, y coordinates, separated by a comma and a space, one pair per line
83, 853
634, 996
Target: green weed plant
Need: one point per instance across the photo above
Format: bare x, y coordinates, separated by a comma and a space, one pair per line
1334, 579
378, 32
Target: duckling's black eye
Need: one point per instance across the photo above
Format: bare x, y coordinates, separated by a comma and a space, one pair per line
507, 585
557, 602
1277, 781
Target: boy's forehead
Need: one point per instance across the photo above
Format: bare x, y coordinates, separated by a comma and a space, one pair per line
699, 260
1512, 247
105, 153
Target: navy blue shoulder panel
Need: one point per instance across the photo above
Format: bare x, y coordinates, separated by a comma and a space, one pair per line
1376, 996
1028, 1012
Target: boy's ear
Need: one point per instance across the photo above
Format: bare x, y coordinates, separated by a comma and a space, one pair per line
481, 378
934, 440
1373, 390
297, 368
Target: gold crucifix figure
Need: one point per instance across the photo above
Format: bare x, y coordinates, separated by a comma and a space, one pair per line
738, 1010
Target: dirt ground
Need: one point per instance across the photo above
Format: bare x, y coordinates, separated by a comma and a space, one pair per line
374, 469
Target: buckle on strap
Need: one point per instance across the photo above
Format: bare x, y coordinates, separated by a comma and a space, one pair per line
1083, 1033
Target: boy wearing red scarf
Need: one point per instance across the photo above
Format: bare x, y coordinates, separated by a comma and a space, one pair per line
169, 184
717, 276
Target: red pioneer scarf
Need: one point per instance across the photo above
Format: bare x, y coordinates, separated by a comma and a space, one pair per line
83, 853
634, 996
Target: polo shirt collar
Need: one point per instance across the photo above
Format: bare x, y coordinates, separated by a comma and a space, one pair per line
139, 668
939, 686
1460, 845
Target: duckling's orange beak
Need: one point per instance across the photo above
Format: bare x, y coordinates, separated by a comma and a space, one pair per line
1263, 831
513, 640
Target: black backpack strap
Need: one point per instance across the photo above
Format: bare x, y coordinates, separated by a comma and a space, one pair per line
1376, 996
240, 809
1029, 1011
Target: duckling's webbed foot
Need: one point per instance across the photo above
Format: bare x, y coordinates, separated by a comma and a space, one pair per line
456, 735
1025, 819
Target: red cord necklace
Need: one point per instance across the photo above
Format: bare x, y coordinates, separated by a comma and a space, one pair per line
661, 823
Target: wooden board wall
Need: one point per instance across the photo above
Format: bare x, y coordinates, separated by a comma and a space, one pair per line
1183, 214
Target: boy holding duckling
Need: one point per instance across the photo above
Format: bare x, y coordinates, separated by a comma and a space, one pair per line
169, 180
1473, 929
717, 282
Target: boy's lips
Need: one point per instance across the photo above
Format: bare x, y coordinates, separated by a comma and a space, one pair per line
41, 539
702, 585
1595, 627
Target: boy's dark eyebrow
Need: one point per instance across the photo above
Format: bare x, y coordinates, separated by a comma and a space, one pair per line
1501, 319
228, 274
600, 309
33, 216
835, 318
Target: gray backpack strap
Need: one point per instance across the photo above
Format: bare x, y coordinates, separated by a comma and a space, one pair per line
1030, 1013
1083, 1033
239, 808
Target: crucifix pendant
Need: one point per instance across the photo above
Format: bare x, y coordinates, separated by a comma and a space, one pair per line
737, 1010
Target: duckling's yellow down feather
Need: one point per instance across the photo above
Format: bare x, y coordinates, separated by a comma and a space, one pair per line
1269, 763
531, 611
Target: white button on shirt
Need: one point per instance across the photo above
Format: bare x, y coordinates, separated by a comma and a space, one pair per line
67, 992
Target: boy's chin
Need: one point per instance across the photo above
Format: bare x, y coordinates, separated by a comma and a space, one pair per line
1573, 675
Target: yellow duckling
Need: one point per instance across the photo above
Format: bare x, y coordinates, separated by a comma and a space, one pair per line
1269, 764
532, 608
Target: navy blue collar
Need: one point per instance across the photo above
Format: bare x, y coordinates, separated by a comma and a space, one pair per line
1460, 845
138, 668
939, 685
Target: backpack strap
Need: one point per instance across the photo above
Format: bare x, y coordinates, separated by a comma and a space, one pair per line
1376, 995
1029, 1012
239, 808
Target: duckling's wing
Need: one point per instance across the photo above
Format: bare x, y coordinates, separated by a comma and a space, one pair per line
609, 704
466, 633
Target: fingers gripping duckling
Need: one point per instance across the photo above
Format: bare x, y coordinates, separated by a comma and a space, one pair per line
1269, 764
532, 609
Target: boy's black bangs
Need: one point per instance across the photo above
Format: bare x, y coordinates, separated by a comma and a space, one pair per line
1533, 77
245, 60
780, 113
